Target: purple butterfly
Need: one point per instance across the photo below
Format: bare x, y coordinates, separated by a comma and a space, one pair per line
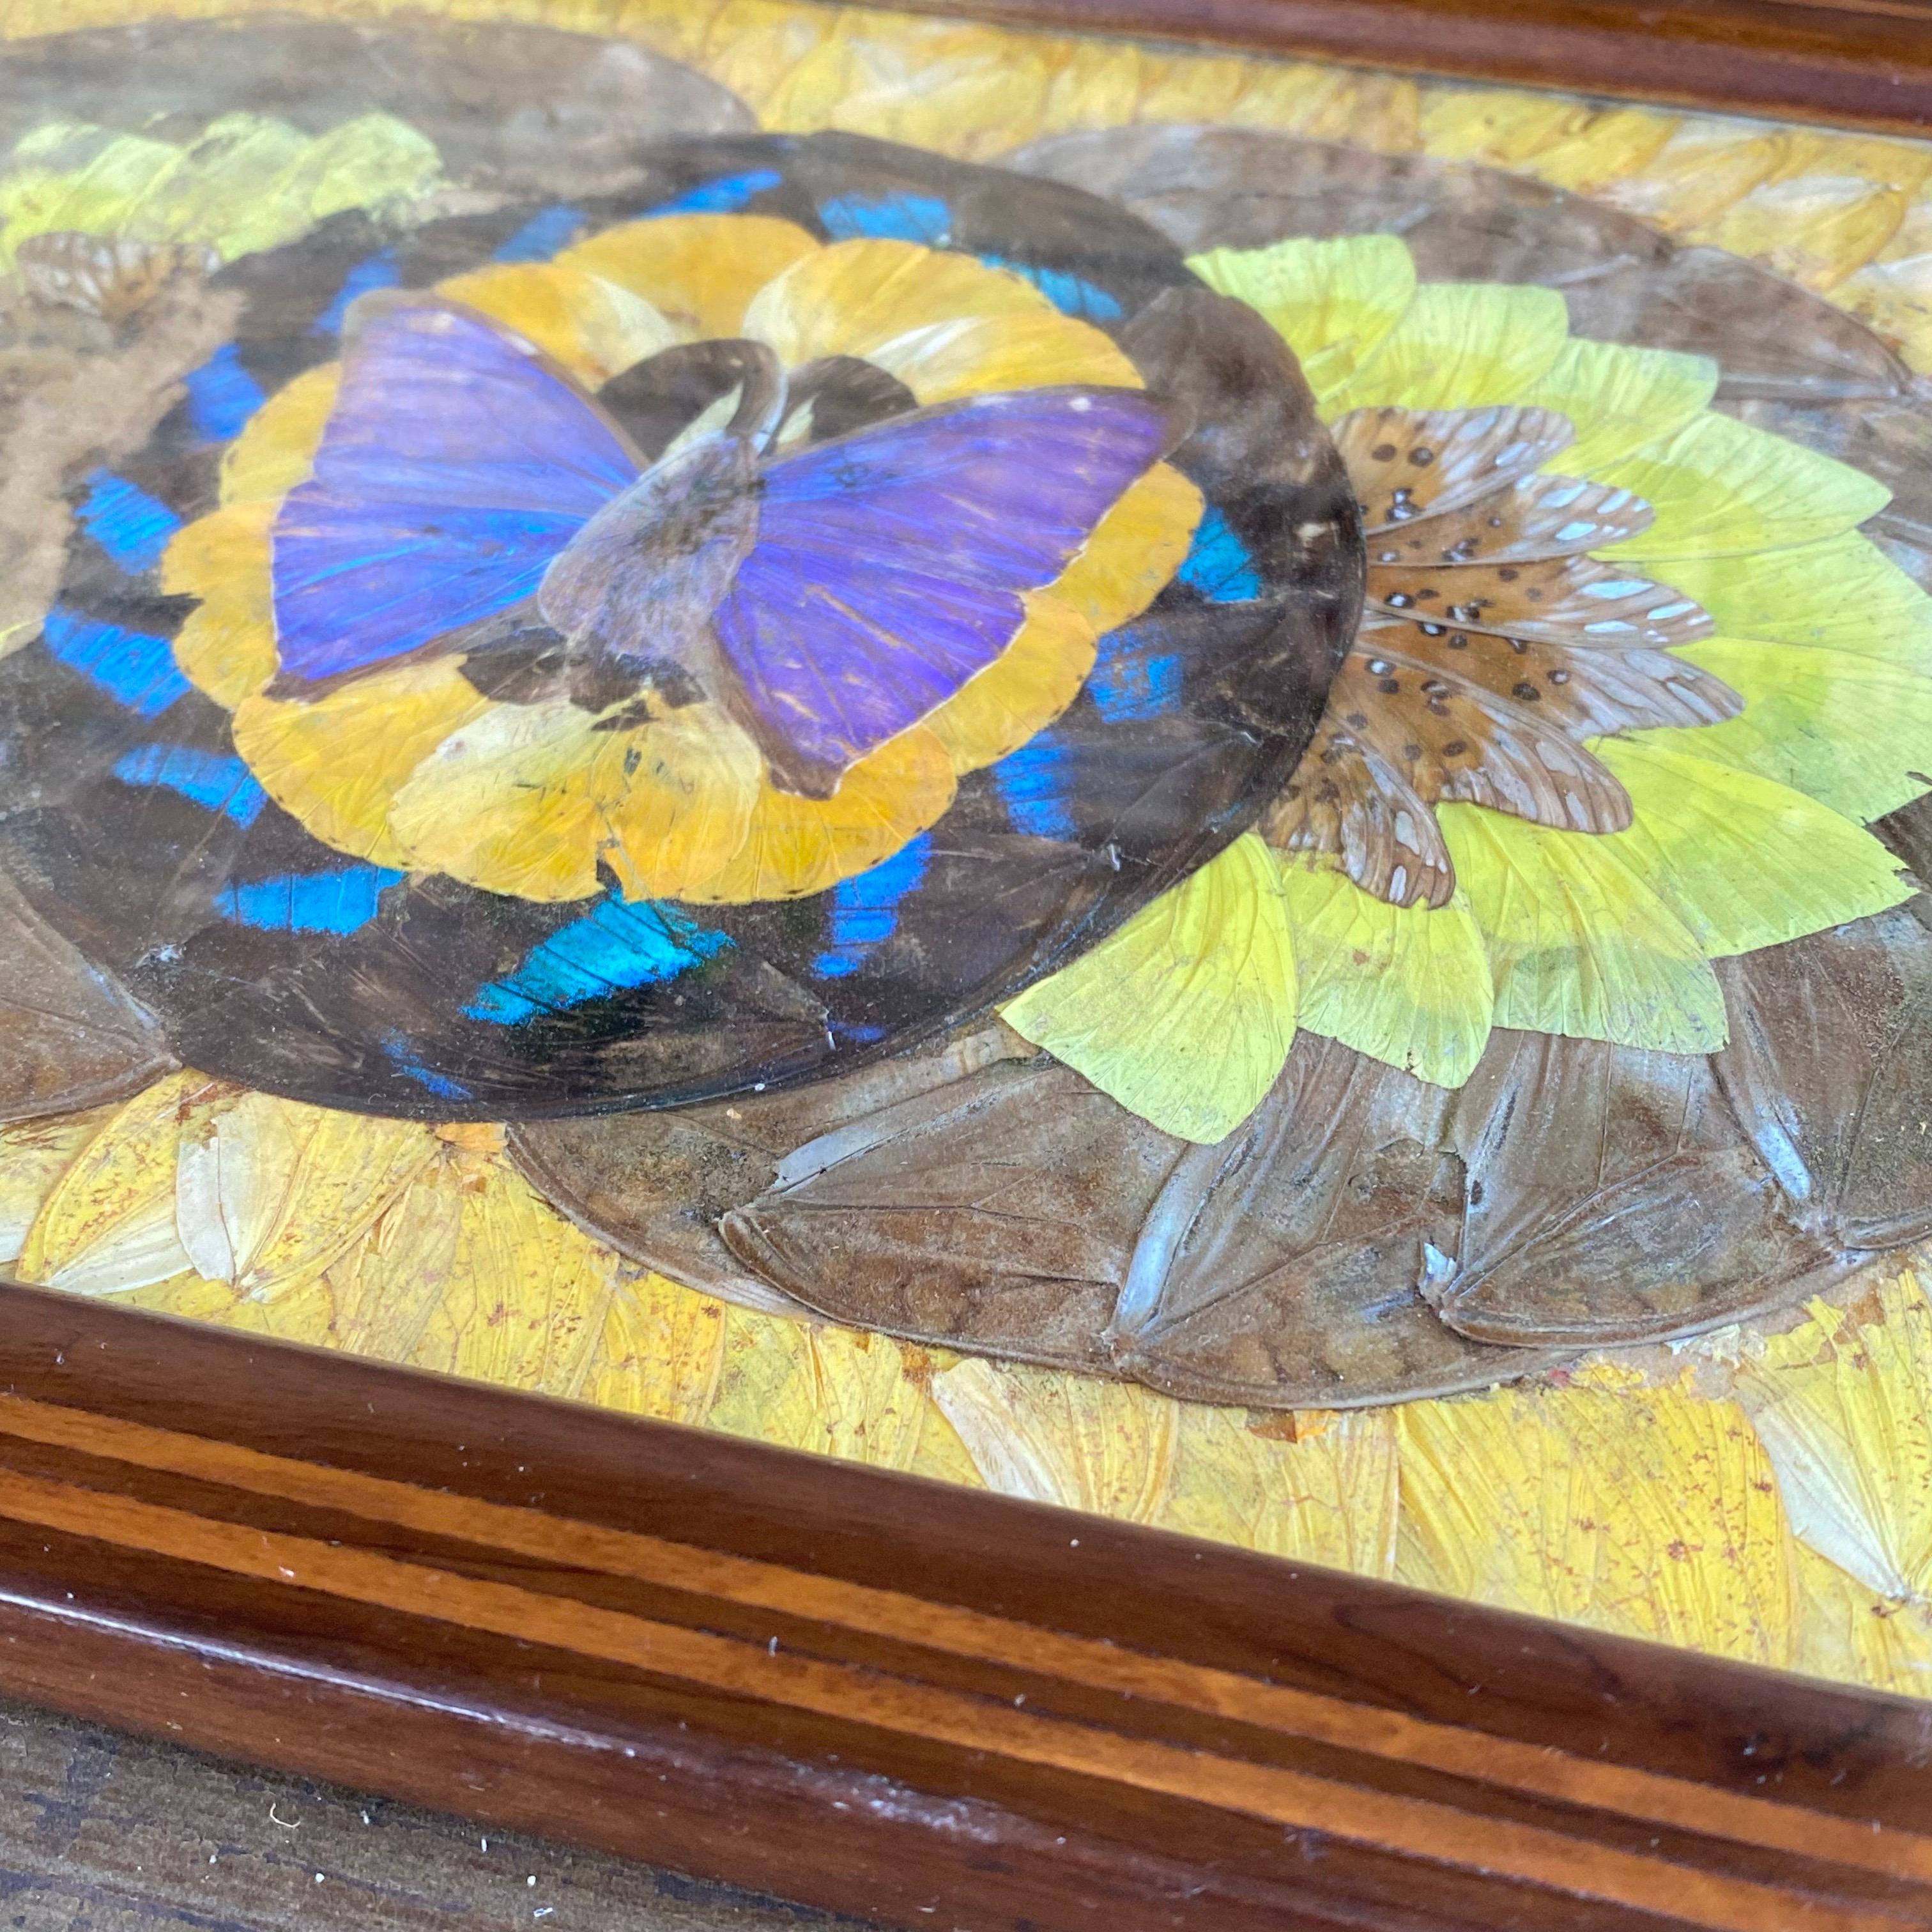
466, 492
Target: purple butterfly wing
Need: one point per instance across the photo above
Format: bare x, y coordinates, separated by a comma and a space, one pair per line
456, 463
889, 564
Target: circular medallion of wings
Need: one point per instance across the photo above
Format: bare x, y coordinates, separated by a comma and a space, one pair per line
673, 643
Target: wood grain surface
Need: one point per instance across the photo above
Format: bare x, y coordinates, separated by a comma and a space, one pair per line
867, 1692
103, 1832
1856, 63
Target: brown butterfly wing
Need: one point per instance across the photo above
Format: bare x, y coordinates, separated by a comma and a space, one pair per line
1546, 515
1023, 1214
1346, 800
110, 276
1409, 464
1285, 1267
1829, 1068
998, 1214
1612, 1196
1576, 601
1624, 281
1586, 693
70, 1037
1492, 648
656, 1185
1450, 737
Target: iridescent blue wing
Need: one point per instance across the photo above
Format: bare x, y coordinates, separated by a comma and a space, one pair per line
456, 462
890, 564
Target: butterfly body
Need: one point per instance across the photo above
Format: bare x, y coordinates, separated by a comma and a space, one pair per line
632, 595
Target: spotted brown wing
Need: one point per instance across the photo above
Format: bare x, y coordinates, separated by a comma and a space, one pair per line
1408, 464
1491, 649
1578, 602
1347, 800
114, 278
1546, 515
1439, 735
1585, 692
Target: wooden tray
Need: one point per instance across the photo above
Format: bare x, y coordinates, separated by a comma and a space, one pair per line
927, 1705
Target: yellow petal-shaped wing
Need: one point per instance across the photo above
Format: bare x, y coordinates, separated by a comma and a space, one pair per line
1851, 732
1187, 1014
698, 271
530, 799
1647, 1510
596, 329
269, 1192
1460, 346
807, 1385
793, 845
849, 298
470, 1274
1744, 862
985, 354
662, 1348
1322, 1489
1720, 487
1333, 302
108, 1225
33, 1157
1842, 593
1410, 987
1621, 399
1843, 1404
337, 761
226, 645
1580, 943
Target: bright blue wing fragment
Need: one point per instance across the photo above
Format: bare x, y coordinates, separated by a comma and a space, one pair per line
543, 234
341, 900
216, 783
380, 271
727, 195
403, 1057
1033, 783
1218, 565
1071, 294
454, 466
614, 948
131, 526
865, 908
896, 218
135, 668
222, 395
1127, 684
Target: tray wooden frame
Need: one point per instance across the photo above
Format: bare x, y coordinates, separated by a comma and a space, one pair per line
931, 1706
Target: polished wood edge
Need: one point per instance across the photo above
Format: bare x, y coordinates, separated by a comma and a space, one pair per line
1864, 64
861, 1690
